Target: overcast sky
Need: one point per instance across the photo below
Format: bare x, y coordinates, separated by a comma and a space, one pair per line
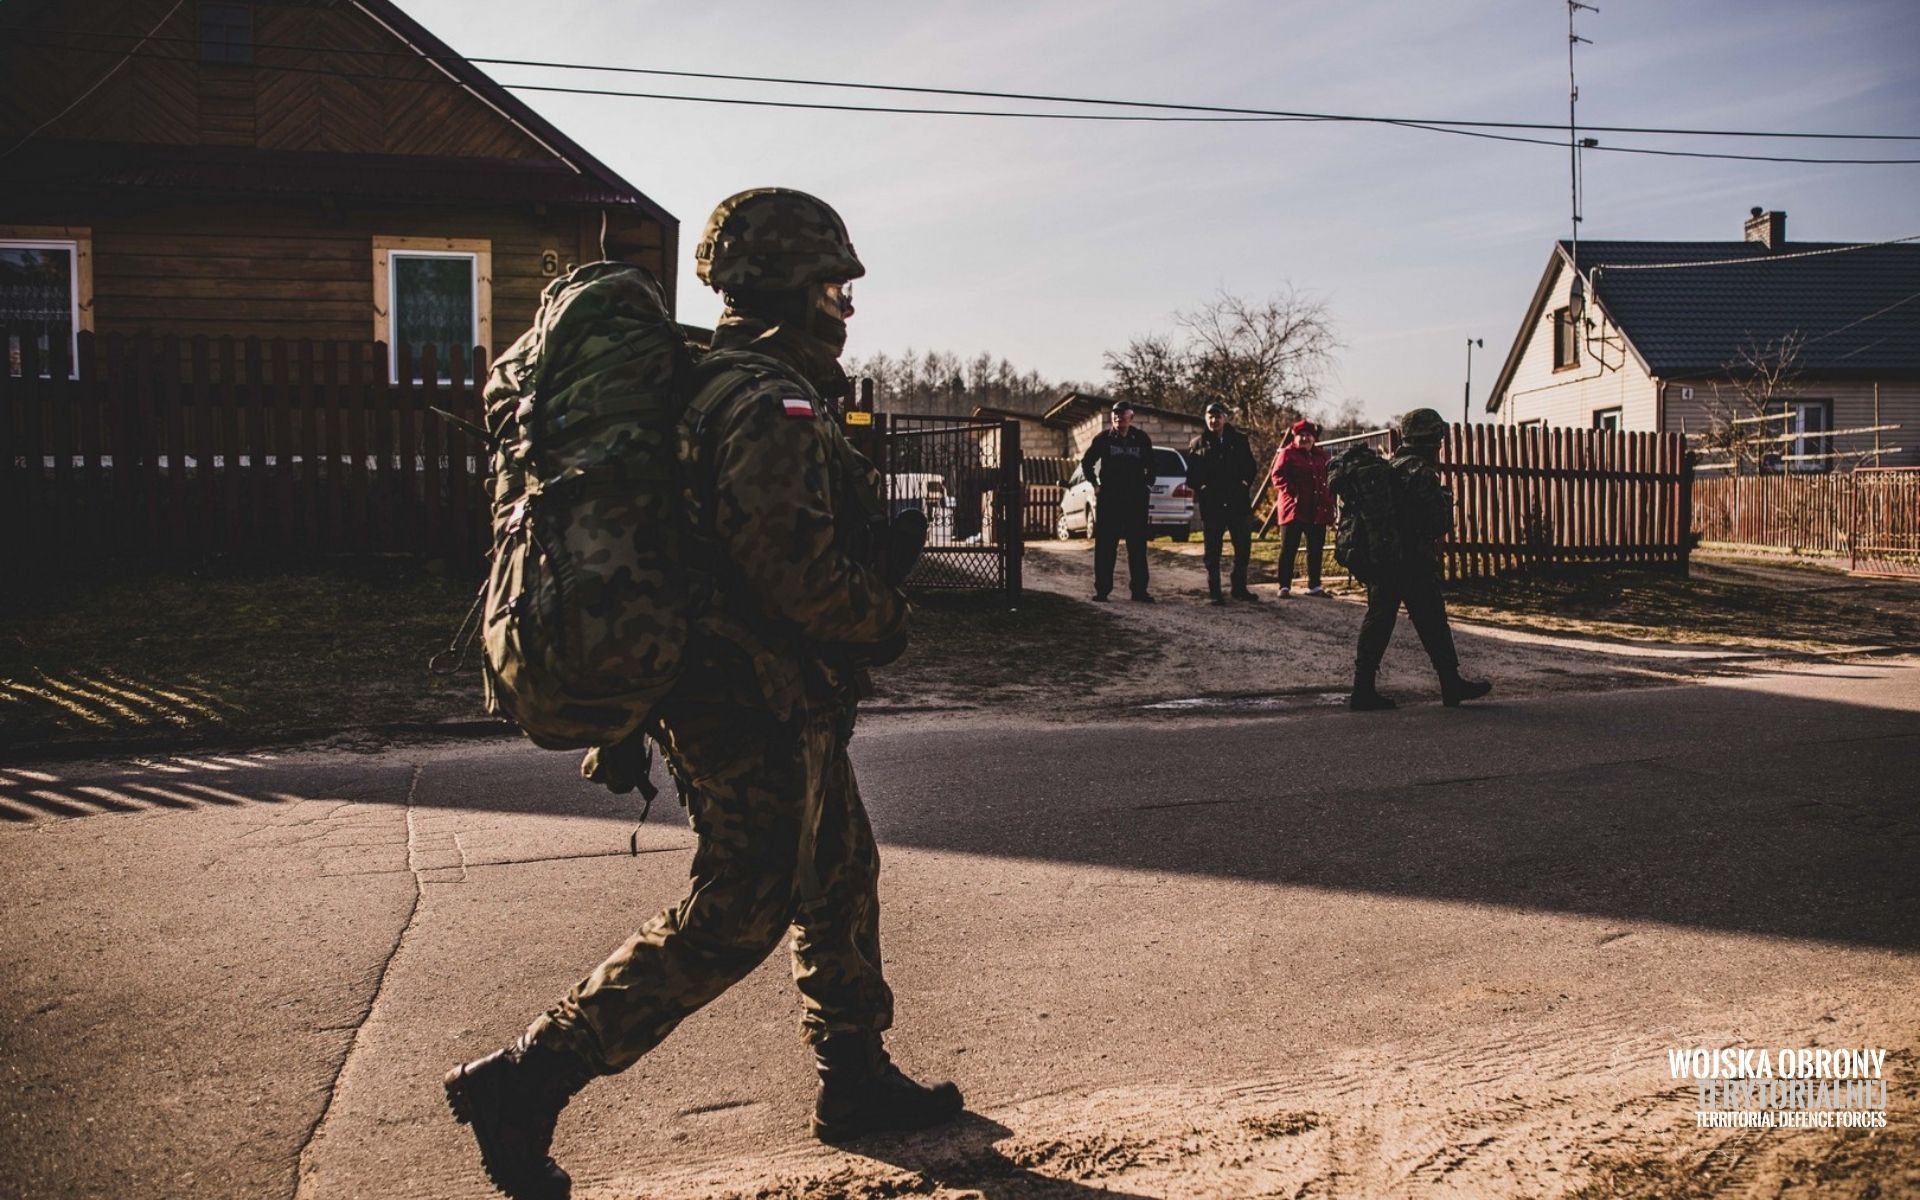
1049, 242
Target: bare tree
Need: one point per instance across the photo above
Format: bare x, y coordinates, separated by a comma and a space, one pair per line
1152, 370
1273, 354
1758, 379
944, 384
1266, 361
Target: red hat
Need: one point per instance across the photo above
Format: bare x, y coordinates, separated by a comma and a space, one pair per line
1305, 426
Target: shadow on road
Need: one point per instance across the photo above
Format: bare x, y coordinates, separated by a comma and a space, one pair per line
967, 1157
1728, 807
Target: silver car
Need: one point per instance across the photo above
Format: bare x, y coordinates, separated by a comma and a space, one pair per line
1170, 510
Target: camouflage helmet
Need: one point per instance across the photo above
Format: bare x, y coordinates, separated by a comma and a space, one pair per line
1423, 425
774, 239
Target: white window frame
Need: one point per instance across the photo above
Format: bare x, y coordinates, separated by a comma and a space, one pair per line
1566, 336
1618, 415
1808, 445
79, 283
479, 251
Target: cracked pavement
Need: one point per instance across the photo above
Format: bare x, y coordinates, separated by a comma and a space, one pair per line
1428, 952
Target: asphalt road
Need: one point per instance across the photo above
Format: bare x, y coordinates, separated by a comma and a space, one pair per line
1460, 940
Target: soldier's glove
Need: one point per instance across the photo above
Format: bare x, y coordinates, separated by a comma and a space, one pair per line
623, 766
906, 538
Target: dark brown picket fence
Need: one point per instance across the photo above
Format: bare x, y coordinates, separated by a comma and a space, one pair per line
1871, 515
1533, 496
239, 447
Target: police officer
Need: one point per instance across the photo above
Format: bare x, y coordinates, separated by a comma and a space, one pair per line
1220, 470
756, 730
1120, 462
1405, 524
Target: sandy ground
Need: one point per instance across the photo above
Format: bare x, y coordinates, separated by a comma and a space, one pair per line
1276, 655
1437, 953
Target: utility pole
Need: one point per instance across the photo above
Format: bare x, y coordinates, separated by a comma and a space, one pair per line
1466, 393
1577, 297
1573, 124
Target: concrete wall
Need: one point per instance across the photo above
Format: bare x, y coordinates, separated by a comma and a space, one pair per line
1165, 431
1036, 440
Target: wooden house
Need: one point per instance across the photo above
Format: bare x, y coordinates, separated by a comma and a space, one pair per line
325, 169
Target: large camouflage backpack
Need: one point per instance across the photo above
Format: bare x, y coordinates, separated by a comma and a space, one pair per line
590, 591
1365, 533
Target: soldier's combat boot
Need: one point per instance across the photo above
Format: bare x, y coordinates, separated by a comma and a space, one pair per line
1455, 691
1365, 697
511, 1099
862, 1092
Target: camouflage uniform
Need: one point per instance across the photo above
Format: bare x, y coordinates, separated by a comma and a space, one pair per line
1404, 549
756, 731
1405, 524
780, 516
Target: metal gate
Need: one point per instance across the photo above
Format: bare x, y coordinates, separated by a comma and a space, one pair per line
1885, 521
965, 475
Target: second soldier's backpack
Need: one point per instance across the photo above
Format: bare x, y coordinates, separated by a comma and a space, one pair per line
1363, 483
590, 591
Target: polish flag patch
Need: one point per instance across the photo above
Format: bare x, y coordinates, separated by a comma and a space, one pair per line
794, 406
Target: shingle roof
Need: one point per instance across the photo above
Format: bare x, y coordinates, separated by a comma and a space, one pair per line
219, 170
1858, 310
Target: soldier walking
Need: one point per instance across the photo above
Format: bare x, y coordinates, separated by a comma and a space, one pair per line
1220, 468
1120, 462
1403, 526
756, 729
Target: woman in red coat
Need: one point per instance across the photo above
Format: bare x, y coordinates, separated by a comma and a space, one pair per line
1303, 503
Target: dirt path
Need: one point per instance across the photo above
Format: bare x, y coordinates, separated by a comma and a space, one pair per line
1278, 654
1525, 1112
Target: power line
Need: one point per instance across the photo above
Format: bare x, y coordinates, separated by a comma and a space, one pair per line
1275, 117
111, 72
975, 93
1879, 312
1754, 259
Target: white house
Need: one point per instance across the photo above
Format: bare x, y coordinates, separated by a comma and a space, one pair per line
1663, 323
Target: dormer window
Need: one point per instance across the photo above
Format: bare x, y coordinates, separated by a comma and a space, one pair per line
1566, 339
226, 33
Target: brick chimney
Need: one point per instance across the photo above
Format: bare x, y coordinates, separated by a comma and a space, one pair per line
1767, 228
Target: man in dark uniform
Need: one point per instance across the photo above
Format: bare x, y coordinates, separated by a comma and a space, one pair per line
1405, 524
1220, 470
1120, 462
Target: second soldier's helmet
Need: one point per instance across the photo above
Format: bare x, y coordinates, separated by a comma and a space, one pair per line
774, 239
1423, 425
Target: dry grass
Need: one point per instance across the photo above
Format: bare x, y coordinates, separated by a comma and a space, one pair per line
233, 654
226, 654
1780, 609
973, 650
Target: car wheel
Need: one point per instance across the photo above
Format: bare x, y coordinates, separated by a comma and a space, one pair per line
1060, 530
1180, 535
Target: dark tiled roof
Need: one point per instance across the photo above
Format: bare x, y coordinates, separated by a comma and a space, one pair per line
220, 170
1858, 311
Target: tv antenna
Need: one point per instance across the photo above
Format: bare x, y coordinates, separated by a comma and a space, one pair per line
1575, 143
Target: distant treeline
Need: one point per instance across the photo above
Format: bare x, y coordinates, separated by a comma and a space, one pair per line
941, 384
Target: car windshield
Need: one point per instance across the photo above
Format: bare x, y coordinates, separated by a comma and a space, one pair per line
1168, 464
